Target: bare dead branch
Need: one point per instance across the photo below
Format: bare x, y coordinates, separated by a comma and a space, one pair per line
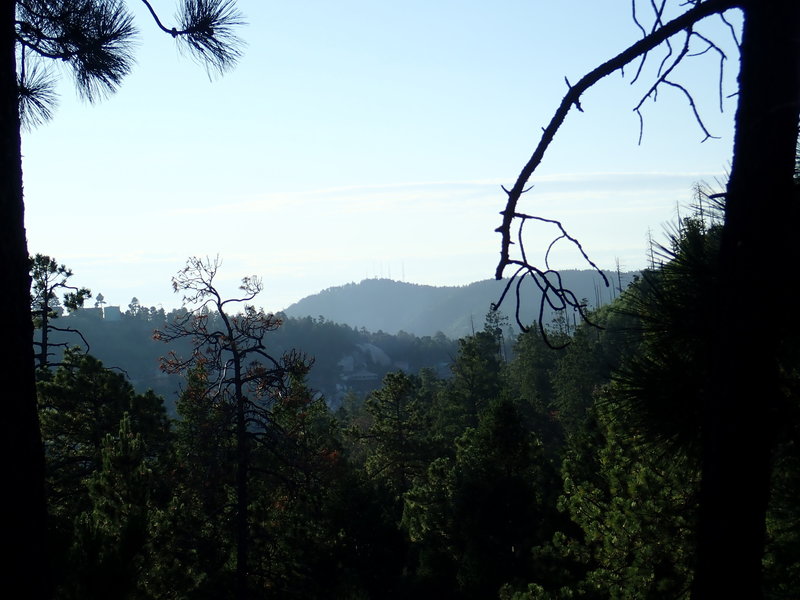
636, 20
665, 59
657, 22
71, 330
698, 12
663, 75
641, 126
722, 58
697, 116
732, 30
553, 293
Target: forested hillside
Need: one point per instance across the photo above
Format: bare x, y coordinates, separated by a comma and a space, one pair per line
520, 473
344, 359
355, 334
455, 311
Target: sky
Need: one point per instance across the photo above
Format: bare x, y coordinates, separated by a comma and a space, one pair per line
360, 139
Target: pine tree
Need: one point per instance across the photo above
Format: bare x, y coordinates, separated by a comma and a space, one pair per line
93, 38
49, 279
109, 550
475, 518
398, 436
636, 506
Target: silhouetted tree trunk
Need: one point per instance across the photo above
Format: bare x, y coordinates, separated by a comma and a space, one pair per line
242, 473
759, 253
24, 514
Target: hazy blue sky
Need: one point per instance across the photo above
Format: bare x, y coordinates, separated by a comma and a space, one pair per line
367, 138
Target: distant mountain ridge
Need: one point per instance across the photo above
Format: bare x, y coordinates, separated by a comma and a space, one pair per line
423, 310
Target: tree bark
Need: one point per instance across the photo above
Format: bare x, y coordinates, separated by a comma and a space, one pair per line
242, 489
24, 515
758, 256
44, 356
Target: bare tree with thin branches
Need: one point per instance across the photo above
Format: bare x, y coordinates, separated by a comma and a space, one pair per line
238, 372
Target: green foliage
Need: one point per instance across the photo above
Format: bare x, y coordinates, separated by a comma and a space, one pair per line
782, 556
108, 551
192, 535
533, 368
664, 384
531, 376
82, 408
95, 40
587, 363
476, 517
304, 539
128, 342
397, 437
78, 408
635, 506
48, 280
550, 475
477, 380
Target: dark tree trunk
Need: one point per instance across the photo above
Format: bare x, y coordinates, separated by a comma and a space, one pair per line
242, 501
24, 513
242, 479
43, 355
758, 257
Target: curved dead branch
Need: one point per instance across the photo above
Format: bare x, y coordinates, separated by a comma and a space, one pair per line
553, 292
554, 295
660, 34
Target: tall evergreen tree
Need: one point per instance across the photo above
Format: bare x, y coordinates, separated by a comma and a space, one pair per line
93, 38
475, 518
636, 511
478, 371
398, 436
108, 552
49, 279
